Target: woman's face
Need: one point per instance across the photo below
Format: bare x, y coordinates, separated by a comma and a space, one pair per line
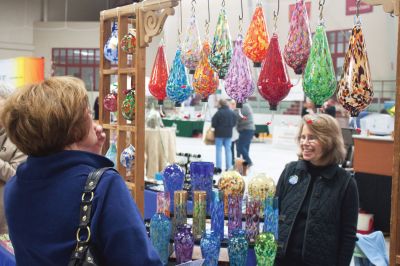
310, 146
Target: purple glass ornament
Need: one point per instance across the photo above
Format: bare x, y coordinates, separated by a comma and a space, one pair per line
238, 82
184, 243
191, 46
297, 48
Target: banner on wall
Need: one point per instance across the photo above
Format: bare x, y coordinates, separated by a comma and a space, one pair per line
351, 8
20, 71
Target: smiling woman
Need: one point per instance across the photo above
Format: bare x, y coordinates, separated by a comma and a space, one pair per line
318, 200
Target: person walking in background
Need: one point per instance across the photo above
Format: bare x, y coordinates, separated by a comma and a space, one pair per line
246, 129
10, 157
318, 200
235, 133
51, 122
223, 122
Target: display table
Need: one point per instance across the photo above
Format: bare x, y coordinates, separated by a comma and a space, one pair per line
373, 162
160, 149
185, 128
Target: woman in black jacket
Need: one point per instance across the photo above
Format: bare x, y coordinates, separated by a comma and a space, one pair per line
318, 200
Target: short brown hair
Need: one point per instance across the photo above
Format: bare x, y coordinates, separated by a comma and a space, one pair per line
328, 132
41, 119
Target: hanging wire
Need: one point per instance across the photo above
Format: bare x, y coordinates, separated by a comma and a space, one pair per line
193, 7
207, 24
321, 8
358, 7
276, 13
241, 17
180, 8
223, 3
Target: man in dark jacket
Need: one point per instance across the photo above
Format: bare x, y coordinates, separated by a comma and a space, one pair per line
223, 122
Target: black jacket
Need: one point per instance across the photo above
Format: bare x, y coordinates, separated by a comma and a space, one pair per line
331, 224
223, 121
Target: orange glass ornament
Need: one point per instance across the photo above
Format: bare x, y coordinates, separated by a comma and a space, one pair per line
159, 76
205, 79
256, 42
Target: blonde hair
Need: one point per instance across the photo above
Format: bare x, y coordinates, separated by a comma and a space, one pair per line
41, 119
329, 134
5, 90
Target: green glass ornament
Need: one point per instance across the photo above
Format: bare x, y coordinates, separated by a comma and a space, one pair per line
265, 249
319, 82
128, 106
221, 52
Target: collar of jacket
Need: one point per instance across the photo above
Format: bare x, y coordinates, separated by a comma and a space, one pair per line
327, 172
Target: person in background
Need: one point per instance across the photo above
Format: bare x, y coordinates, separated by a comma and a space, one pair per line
10, 157
223, 122
235, 133
96, 108
329, 107
308, 108
318, 200
246, 129
51, 122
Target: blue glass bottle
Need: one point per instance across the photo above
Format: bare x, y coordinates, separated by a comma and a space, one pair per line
237, 248
210, 245
217, 213
160, 233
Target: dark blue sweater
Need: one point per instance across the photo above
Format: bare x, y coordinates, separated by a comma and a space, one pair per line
42, 210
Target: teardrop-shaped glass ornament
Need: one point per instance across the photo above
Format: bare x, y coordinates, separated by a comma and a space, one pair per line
178, 87
110, 102
297, 48
127, 156
111, 46
205, 79
274, 83
191, 46
221, 52
159, 75
128, 106
256, 42
355, 90
239, 84
319, 82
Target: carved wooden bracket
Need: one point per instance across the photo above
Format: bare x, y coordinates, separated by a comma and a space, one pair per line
389, 6
151, 18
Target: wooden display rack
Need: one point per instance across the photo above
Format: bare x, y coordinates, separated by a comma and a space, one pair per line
148, 19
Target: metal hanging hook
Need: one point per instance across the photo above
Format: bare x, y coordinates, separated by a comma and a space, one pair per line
276, 13
193, 7
358, 2
207, 23
321, 8
241, 17
223, 3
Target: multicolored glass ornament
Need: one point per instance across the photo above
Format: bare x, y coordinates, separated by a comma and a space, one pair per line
256, 42
110, 102
178, 87
221, 52
355, 90
159, 75
127, 156
111, 46
239, 84
297, 48
128, 42
128, 106
274, 82
205, 79
191, 46
319, 82
265, 249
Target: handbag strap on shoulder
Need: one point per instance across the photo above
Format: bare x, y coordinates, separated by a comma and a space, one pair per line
83, 234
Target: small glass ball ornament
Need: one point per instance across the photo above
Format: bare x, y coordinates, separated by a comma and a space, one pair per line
128, 42
128, 105
110, 102
127, 156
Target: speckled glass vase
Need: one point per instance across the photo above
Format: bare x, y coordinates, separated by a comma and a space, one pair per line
253, 206
217, 213
201, 174
210, 245
237, 248
271, 216
180, 205
199, 213
160, 233
184, 242
234, 213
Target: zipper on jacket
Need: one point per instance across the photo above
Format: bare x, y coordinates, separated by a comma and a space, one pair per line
308, 215
297, 213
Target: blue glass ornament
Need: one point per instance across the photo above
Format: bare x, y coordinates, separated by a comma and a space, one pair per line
217, 212
210, 245
237, 248
111, 46
160, 233
178, 87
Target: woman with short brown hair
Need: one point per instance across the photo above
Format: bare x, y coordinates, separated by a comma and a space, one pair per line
318, 200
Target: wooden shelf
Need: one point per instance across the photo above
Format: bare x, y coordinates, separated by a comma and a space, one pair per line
119, 127
128, 70
111, 71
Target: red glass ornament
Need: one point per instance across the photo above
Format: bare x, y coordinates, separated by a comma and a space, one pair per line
110, 102
274, 83
256, 42
159, 76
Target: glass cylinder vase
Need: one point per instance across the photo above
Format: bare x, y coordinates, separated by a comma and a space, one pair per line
234, 213
217, 213
183, 242
199, 213
180, 204
253, 206
160, 233
265, 249
201, 174
271, 216
210, 245
237, 248
163, 203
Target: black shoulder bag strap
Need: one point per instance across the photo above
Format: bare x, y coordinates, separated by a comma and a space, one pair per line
83, 253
